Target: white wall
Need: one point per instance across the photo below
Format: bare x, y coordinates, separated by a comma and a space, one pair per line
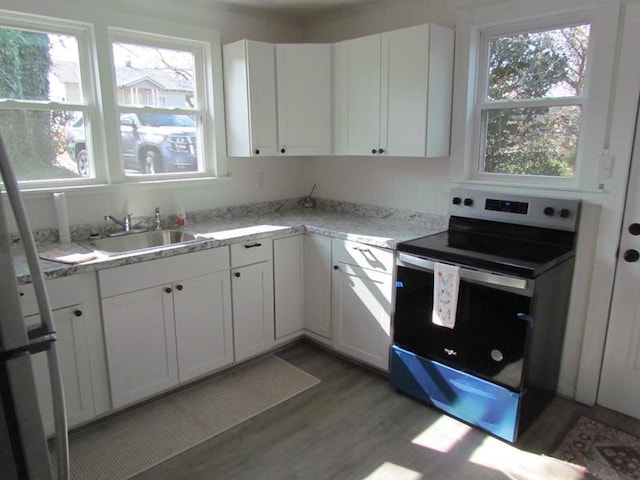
283, 177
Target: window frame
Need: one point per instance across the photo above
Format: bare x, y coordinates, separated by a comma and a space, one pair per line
603, 16
483, 104
100, 112
89, 107
205, 144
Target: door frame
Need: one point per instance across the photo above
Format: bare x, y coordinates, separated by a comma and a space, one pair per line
621, 136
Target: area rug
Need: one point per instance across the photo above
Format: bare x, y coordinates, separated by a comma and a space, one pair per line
127, 444
607, 453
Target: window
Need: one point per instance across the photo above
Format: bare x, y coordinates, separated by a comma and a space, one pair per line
531, 97
532, 89
43, 100
72, 116
159, 104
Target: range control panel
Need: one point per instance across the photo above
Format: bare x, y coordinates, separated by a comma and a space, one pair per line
547, 212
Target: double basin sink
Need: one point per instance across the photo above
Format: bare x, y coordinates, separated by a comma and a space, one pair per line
134, 241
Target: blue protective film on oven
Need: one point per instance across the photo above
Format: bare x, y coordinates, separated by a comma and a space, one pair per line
474, 400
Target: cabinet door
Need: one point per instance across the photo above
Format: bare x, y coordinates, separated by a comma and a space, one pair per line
361, 312
261, 63
317, 285
403, 121
357, 96
304, 98
203, 324
73, 355
250, 98
288, 274
417, 66
252, 292
141, 343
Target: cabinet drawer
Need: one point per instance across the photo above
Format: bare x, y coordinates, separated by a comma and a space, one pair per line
253, 251
364, 256
137, 276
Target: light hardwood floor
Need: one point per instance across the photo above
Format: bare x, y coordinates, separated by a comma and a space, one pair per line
354, 426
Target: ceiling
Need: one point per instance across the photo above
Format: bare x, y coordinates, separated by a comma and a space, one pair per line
300, 9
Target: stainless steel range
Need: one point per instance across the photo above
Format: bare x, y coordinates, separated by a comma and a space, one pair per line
481, 308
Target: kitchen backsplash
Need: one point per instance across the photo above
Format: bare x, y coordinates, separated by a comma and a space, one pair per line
257, 210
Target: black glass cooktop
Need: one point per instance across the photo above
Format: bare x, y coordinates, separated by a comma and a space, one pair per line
517, 256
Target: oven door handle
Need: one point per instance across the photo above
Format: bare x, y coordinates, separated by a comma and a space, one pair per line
475, 276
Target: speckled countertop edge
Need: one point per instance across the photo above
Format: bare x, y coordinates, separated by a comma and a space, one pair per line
376, 228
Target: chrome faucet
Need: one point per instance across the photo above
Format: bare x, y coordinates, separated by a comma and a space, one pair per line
157, 219
125, 223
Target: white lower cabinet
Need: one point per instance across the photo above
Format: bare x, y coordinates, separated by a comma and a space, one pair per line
252, 294
361, 302
204, 334
288, 284
74, 303
140, 338
172, 331
317, 286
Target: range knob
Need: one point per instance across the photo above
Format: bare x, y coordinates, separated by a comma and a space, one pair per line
456, 200
564, 213
549, 211
468, 202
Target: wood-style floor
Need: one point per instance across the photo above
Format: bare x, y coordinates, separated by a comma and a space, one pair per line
354, 426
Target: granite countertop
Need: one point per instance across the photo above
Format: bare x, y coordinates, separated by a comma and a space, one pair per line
375, 228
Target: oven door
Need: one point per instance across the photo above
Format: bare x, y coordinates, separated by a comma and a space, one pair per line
490, 335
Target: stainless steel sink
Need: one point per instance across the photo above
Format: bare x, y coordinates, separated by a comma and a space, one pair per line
141, 241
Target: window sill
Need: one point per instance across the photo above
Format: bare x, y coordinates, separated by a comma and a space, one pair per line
150, 184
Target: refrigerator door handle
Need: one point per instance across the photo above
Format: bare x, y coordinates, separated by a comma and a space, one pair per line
36, 344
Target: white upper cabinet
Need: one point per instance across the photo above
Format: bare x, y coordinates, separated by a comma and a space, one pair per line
277, 98
304, 99
393, 93
250, 98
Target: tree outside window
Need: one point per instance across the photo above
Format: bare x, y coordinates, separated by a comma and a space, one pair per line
35, 111
532, 100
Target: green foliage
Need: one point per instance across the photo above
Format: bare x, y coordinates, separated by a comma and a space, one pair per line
24, 69
535, 140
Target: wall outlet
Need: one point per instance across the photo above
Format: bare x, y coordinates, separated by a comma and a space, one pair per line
605, 165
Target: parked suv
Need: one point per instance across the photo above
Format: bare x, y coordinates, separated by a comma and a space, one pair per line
150, 143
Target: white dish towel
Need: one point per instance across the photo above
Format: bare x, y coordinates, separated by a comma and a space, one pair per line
446, 281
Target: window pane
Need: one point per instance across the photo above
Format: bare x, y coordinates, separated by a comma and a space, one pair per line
152, 76
532, 141
37, 143
39, 66
158, 143
546, 64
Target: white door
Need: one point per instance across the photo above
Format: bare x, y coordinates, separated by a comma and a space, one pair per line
361, 318
252, 293
317, 285
139, 333
288, 284
357, 96
204, 338
304, 99
73, 353
620, 380
261, 73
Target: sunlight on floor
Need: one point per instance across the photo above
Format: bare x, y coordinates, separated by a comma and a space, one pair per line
391, 471
442, 435
521, 465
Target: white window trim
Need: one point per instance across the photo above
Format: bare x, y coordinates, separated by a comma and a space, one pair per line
604, 18
89, 107
205, 143
96, 60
